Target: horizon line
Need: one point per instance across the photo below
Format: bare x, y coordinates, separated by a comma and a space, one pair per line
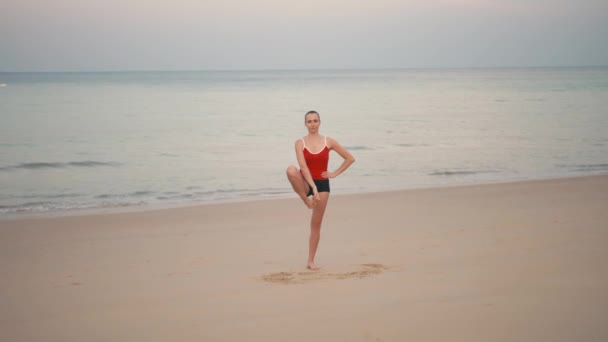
307, 69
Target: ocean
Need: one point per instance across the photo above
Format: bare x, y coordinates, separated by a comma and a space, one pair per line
72, 141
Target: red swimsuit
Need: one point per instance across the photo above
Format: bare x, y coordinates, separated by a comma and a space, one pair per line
317, 162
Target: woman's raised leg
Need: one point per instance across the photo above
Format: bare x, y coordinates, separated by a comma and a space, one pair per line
299, 185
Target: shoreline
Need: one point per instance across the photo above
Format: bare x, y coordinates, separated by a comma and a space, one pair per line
287, 196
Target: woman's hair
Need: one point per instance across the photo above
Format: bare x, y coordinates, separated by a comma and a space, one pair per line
312, 112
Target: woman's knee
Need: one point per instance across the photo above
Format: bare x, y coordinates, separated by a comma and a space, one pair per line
291, 171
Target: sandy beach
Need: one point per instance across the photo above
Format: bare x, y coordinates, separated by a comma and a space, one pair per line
521, 261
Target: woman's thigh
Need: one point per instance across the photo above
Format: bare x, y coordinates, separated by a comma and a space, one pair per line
319, 210
297, 179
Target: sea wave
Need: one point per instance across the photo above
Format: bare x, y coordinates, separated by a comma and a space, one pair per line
460, 172
586, 167
411, 145
139, 193
57, 165
63, 202
29, 206
48, 206
49, 196
358, 148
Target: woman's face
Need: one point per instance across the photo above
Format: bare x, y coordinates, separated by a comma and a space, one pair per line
312, 122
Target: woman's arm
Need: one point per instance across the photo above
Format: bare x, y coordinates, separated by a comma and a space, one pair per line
348, 158
304, 167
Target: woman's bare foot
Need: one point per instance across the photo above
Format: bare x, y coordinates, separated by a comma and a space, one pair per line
311, 266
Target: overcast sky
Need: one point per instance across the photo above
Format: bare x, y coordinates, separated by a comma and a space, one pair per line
96, 35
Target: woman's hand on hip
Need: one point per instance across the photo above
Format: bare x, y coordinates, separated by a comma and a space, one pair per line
328, 174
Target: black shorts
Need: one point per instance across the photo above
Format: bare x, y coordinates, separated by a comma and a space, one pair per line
322, 186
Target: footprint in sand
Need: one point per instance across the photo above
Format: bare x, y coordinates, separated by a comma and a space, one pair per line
362, 271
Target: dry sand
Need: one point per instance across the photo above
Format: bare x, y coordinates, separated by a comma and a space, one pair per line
521, 261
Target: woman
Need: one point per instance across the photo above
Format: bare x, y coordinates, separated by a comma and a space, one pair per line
312, 179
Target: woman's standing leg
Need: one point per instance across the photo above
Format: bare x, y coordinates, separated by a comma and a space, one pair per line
315, 229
